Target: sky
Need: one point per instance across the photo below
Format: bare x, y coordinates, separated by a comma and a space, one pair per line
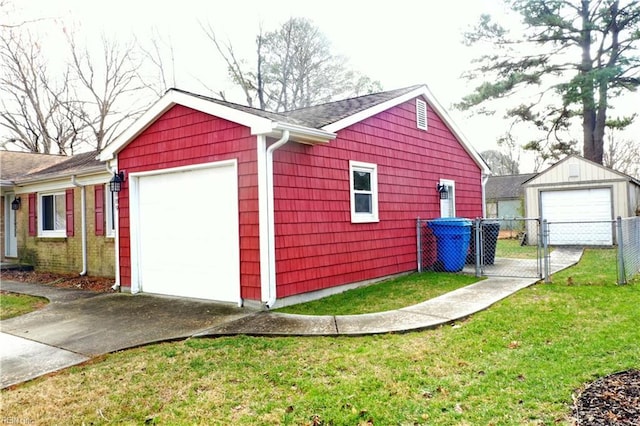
399, 43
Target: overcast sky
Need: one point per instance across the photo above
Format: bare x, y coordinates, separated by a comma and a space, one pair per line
399, 43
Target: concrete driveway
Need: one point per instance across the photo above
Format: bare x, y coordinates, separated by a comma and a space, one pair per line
78, 325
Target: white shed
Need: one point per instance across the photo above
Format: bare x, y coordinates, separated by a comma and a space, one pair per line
579, 199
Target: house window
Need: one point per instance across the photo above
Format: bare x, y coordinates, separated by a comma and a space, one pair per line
448, 206
363, 178
53, 221
110, 212
421, 114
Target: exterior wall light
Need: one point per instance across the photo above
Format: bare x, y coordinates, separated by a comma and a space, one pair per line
442, 190
15, 204
115, 184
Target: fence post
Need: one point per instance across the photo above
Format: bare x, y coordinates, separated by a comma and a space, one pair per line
478, 242
545, 250
622, 276
419, 243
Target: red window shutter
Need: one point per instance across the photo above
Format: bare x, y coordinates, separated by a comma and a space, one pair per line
33, 217
99, 209
70, 227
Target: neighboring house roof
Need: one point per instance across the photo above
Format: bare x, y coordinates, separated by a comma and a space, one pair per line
506, 187
84, 163
316, 124
15, 164
593, 163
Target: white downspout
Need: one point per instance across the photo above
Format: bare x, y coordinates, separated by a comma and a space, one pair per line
83, 215
271, 239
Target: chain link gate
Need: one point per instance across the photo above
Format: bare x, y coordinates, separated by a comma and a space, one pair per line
506, 247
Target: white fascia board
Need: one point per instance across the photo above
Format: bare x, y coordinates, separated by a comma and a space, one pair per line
165, 103
428, 96
63, 182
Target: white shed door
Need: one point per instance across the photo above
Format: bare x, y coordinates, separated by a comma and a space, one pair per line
578, 205
188, 233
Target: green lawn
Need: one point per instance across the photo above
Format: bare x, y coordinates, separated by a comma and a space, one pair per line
511, 248
13, 305
517, 363
387, 295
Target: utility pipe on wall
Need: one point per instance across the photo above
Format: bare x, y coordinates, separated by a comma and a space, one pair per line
83, 215
270, 221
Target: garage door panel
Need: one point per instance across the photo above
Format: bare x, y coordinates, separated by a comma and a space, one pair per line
580, 206
188, 233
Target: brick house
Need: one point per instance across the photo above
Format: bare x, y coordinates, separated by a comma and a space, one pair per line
14, 166
65, 220
225, 202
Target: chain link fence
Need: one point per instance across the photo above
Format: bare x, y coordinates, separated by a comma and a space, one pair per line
523, 247
628, 248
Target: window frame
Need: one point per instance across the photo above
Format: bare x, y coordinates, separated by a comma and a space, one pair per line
372, 169
52, 233
451, 189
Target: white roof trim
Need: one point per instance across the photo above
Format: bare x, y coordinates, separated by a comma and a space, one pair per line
258, 125
431, 100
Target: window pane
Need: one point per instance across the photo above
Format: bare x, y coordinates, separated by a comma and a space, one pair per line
60, 219
47, 213
363, 203
361, 181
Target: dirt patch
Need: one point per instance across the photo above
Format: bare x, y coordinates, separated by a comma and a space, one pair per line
98, 284
611, 400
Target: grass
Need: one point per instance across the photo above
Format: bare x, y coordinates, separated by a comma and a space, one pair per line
511, 248
517, 363
13, 305
387, 295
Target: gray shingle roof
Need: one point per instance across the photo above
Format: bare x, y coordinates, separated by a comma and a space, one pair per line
322, 115
15, 164
316, 116
505, 187
77, 164
249, 110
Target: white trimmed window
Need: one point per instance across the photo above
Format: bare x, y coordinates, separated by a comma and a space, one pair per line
363, 178
448, 205
110, 228
421, 114
52, 220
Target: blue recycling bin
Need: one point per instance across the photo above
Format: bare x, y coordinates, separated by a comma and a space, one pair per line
453, 235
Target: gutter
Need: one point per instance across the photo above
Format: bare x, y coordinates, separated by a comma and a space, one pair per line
83, 215
271, 240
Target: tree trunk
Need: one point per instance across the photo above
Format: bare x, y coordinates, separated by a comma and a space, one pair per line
587, 88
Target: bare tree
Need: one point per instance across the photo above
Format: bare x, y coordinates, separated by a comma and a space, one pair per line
294, 68
161, 55
36, 108
620, 154
105, 85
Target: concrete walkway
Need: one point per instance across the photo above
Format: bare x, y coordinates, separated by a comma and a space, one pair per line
78, 325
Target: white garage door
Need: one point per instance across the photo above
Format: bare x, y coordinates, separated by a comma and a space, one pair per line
578, 205
187, 233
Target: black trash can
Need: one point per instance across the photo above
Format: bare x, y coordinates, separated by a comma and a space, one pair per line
490, 232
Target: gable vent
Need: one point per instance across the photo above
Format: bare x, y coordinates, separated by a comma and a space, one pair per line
421, 114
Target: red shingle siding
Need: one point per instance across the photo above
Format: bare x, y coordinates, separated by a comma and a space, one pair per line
317, 246
184, 137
